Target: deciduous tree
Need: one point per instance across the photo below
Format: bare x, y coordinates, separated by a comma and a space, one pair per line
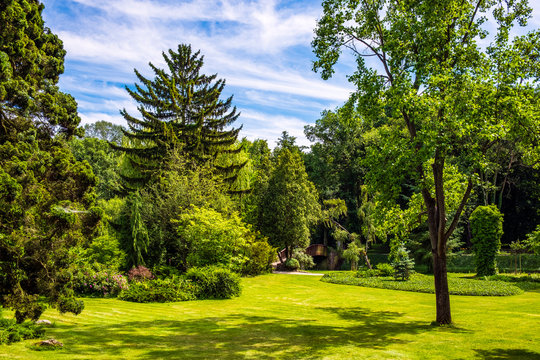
440, 99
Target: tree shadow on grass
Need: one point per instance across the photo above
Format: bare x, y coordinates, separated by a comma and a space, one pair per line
240, 335
500, 354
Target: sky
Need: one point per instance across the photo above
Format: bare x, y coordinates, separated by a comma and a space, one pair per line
262, 48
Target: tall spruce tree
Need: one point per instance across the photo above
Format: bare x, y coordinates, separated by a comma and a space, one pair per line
180, 109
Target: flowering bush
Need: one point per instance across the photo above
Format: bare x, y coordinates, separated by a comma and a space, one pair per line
100, 283
139, 273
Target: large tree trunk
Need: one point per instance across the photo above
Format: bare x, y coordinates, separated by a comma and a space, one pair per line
442, 295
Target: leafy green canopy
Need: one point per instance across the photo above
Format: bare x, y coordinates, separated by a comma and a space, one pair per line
180, 108
439, 100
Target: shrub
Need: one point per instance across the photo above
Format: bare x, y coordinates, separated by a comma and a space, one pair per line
214, 239
305, 261
385, 269
11, 331
159, 290
403, 265
486, 227
100, 283
533, 241
352, 255
292, 264
260, 258
139, 273
213, 282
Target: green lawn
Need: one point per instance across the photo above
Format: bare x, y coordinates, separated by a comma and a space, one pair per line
297, 317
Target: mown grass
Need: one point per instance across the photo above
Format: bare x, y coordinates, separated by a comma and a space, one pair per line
296, 317
424, 283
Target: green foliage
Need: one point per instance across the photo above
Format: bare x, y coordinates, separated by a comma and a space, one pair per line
172, 193
425, 284
104, 283
104, 130
289, 204
305, 261
104, 162
486, 227
159, 290
506, 263
213, 239
260, 257
181, 109
31, 60
533, 241
11, 331
402, 264
385, 269
214, 282
292, 264
334, 161
430, 94
352, 254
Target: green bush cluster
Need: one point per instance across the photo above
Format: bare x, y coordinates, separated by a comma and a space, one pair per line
214, 283
106, 283
425, 284
385, 269
11, 332
159, 290
486, 227
292, 264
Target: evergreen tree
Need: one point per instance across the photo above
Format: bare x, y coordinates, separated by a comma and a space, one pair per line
46, 196
180, 109
289, 204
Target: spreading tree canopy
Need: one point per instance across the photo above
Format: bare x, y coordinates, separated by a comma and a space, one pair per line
179, 108
440, 101
46, 196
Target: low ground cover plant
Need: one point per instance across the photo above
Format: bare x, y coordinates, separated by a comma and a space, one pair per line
11, 332
424, 283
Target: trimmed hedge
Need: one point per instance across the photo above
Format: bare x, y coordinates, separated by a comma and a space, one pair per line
466, 262
505, 263
424, 283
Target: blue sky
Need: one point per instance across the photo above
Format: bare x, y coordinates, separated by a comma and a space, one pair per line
260, 47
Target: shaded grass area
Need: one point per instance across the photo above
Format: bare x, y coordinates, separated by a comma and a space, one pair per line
425, 284
296, 317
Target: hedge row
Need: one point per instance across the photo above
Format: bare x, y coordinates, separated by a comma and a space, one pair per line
424, 283
466, 263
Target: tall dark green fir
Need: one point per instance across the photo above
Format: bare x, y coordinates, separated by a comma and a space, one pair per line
179, 109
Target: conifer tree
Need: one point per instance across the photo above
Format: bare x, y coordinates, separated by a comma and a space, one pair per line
180, 109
